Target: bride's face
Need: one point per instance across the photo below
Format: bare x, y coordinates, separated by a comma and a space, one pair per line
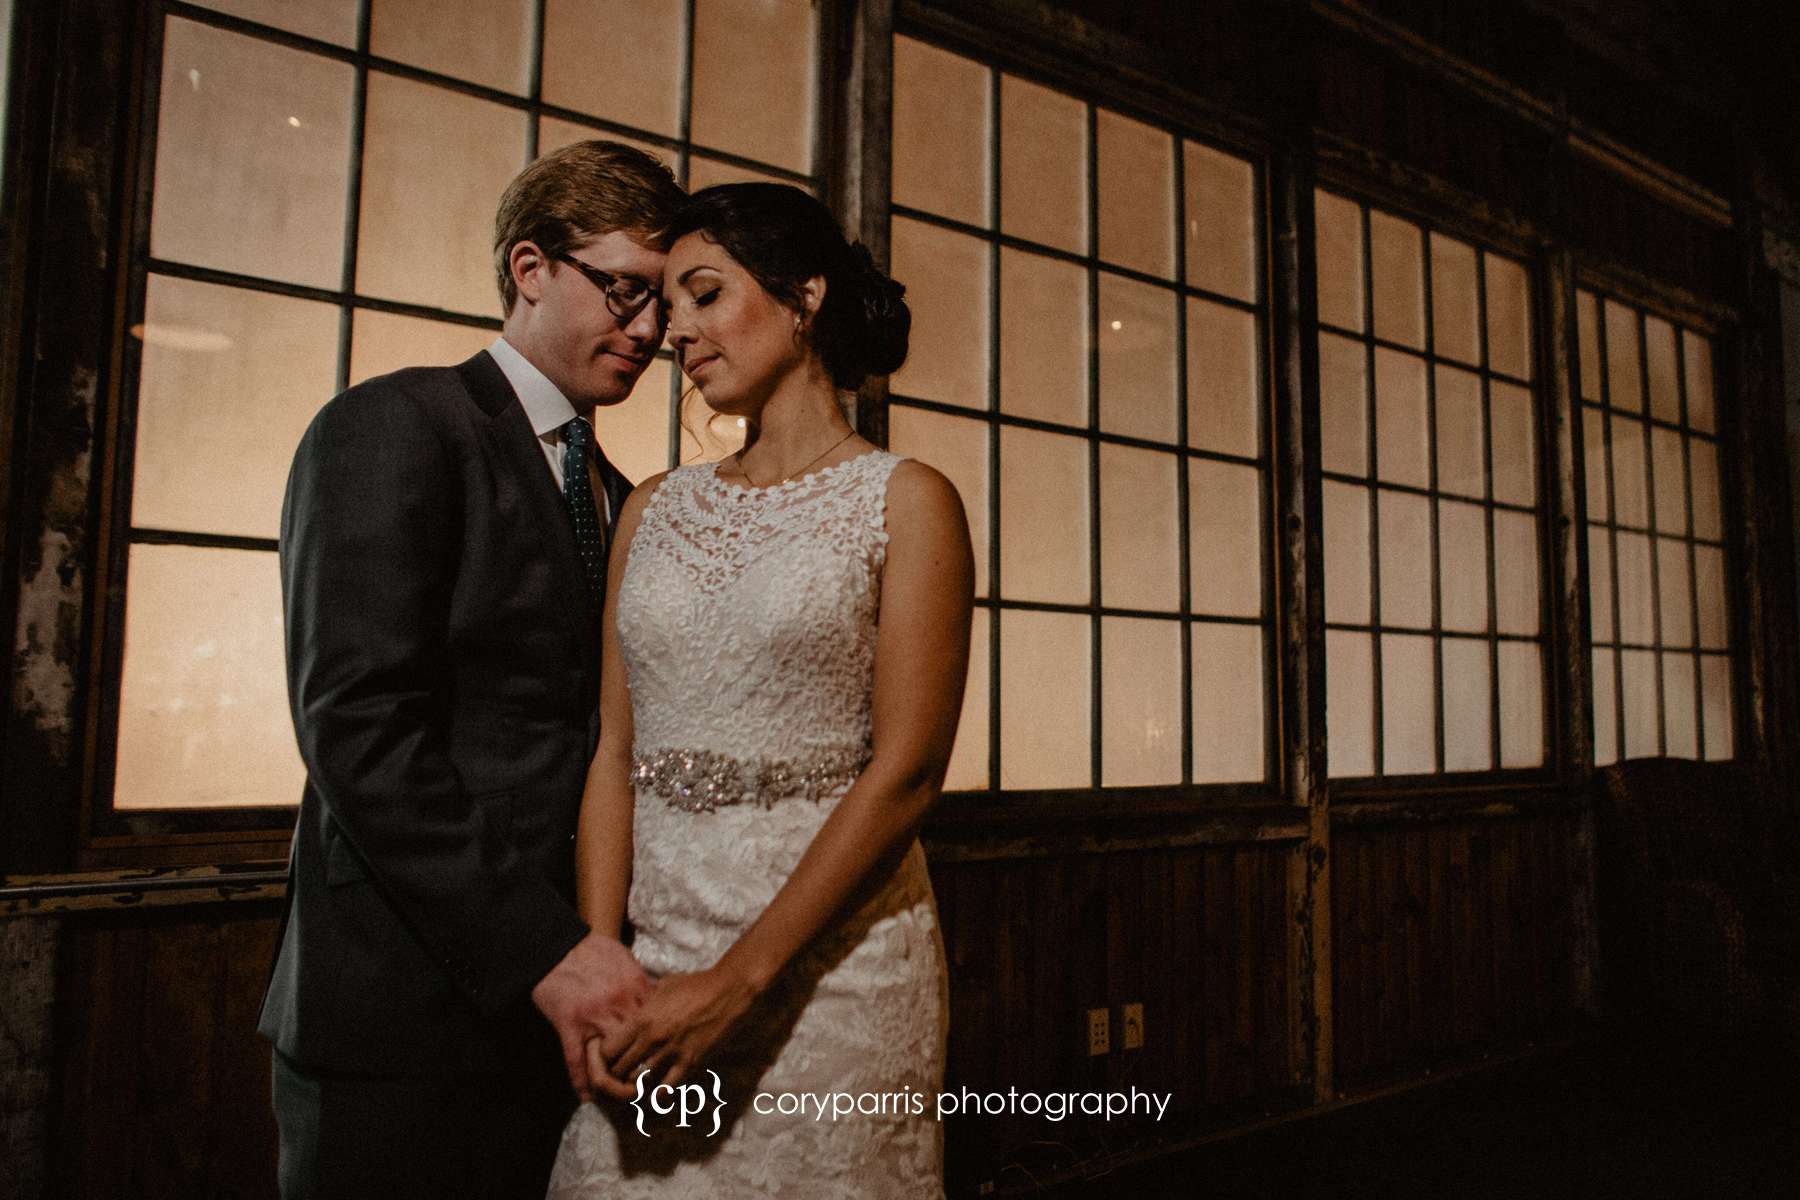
731, 337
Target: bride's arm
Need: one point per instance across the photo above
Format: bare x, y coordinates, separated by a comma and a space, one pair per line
921, 660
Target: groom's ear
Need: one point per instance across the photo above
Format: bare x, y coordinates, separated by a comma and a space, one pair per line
528, 264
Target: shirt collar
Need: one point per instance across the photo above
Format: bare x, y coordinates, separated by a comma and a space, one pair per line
543, 402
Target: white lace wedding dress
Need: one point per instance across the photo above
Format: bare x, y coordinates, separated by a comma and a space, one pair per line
747, 621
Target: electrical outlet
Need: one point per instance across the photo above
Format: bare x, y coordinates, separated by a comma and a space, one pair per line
1099, 1031
1134, 1026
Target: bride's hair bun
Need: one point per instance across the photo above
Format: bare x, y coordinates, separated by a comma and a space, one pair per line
887, 321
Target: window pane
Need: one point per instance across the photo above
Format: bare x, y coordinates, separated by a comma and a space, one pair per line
1346, 511
1395, 256
1468, 744
940, 132
704, 172
1140, 531
434, 165
1709, 580
1600, 597
1343, 405
483, 41
1224, 400
1515, 443
1696, 353
229, 377
1635, 617
1593, 452
969, 759
1509, 317
382, 342
1137, 359
1637, 670
1225, 539
946, 278
753, 79
1587, 327
957, 446
1715, 704
1703, 467
1045, 667
1659, 356
1136, 176
1405, 558
1460, 443
1679, 730
1349, 703
1043, 338
626, 68
1515, 573
1221, 221
203, 711
1401, 432
1521, 705
1462, 574
1670, 479
1606, 710
635, 432
554, 134
274, 206
1455, 312
1408, 704
1043, 165
1337, 224
327, 20
1228, 703
1140, 713
1623, 379
1672, 588
1043, 517
1629, 488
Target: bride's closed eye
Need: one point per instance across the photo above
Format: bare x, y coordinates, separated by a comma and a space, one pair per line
706, 298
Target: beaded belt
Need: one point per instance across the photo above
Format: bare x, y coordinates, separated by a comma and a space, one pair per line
702, 780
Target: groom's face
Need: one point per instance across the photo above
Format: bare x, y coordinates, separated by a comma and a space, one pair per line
596, 355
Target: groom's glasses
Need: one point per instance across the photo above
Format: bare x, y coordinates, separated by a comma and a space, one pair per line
626, 295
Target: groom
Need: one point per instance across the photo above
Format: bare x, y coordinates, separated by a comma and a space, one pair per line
443, 556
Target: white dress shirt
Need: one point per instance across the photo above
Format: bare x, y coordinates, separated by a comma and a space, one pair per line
548, 411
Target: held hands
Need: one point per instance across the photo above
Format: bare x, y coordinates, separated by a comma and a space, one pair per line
588, 995
673, 1029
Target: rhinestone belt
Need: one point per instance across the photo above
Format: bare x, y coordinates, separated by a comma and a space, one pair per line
702, 780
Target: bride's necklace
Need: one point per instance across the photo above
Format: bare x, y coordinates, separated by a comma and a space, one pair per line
746, 474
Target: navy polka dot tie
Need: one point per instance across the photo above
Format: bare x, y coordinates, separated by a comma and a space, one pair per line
578, 493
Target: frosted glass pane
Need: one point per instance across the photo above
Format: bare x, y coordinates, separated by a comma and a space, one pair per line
1630, 489
1043, 517
1396, 258
1715, 704
1337, 225
1408, 706
1461, 445
1521, 705
1137, 359
1140, 529
1709, 583
483, 41
1224, 400
1225, 539
1401, 433
1228, 703
229, 377
1672, 587
1462, 573
1703, 471
957, 446
1515, 573
1343, 404
1587, 333
1606, 710
1405, 558
1600, 595
1670, 480
1046, 667
203, 711
1221, 221
1623, 377
1659, 357
381, 342
946, 278
1455, 311
1696, 354
274, 205
434, 165
1636, 620
1349, 703
941, 116
1137, 194
1638, 690
555, 133
635, 432
626, 68
1043, 165
1468, 717
1515, 443
327, 20
1680, 733
706, 172
969, 758
1140, 702
1593, 452
1508, 317
1346, 511
753, 79
1043, 338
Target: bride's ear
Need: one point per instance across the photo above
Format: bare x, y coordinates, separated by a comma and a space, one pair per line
812, 298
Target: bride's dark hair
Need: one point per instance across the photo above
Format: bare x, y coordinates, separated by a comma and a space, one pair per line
783, 237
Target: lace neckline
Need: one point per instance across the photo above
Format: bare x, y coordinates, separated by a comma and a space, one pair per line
738, 492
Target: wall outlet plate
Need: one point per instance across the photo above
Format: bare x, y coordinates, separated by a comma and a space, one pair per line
1133, 1023
1099, 1031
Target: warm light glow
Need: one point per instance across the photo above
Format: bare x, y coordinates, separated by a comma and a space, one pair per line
294, 121
1118, 324
182, 337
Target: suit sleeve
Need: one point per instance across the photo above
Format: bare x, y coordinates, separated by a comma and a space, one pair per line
370, 540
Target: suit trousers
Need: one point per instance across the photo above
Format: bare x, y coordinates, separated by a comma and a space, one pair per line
346, 1137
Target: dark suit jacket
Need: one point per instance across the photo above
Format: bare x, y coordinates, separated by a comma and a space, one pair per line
443, 669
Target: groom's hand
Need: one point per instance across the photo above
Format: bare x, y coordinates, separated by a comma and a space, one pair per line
587, 995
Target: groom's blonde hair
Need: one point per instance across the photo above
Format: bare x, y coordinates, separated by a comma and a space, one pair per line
578, 193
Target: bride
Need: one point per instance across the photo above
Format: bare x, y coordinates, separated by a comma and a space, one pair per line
785, 649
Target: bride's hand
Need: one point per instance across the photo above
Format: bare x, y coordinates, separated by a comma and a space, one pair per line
683, 1019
